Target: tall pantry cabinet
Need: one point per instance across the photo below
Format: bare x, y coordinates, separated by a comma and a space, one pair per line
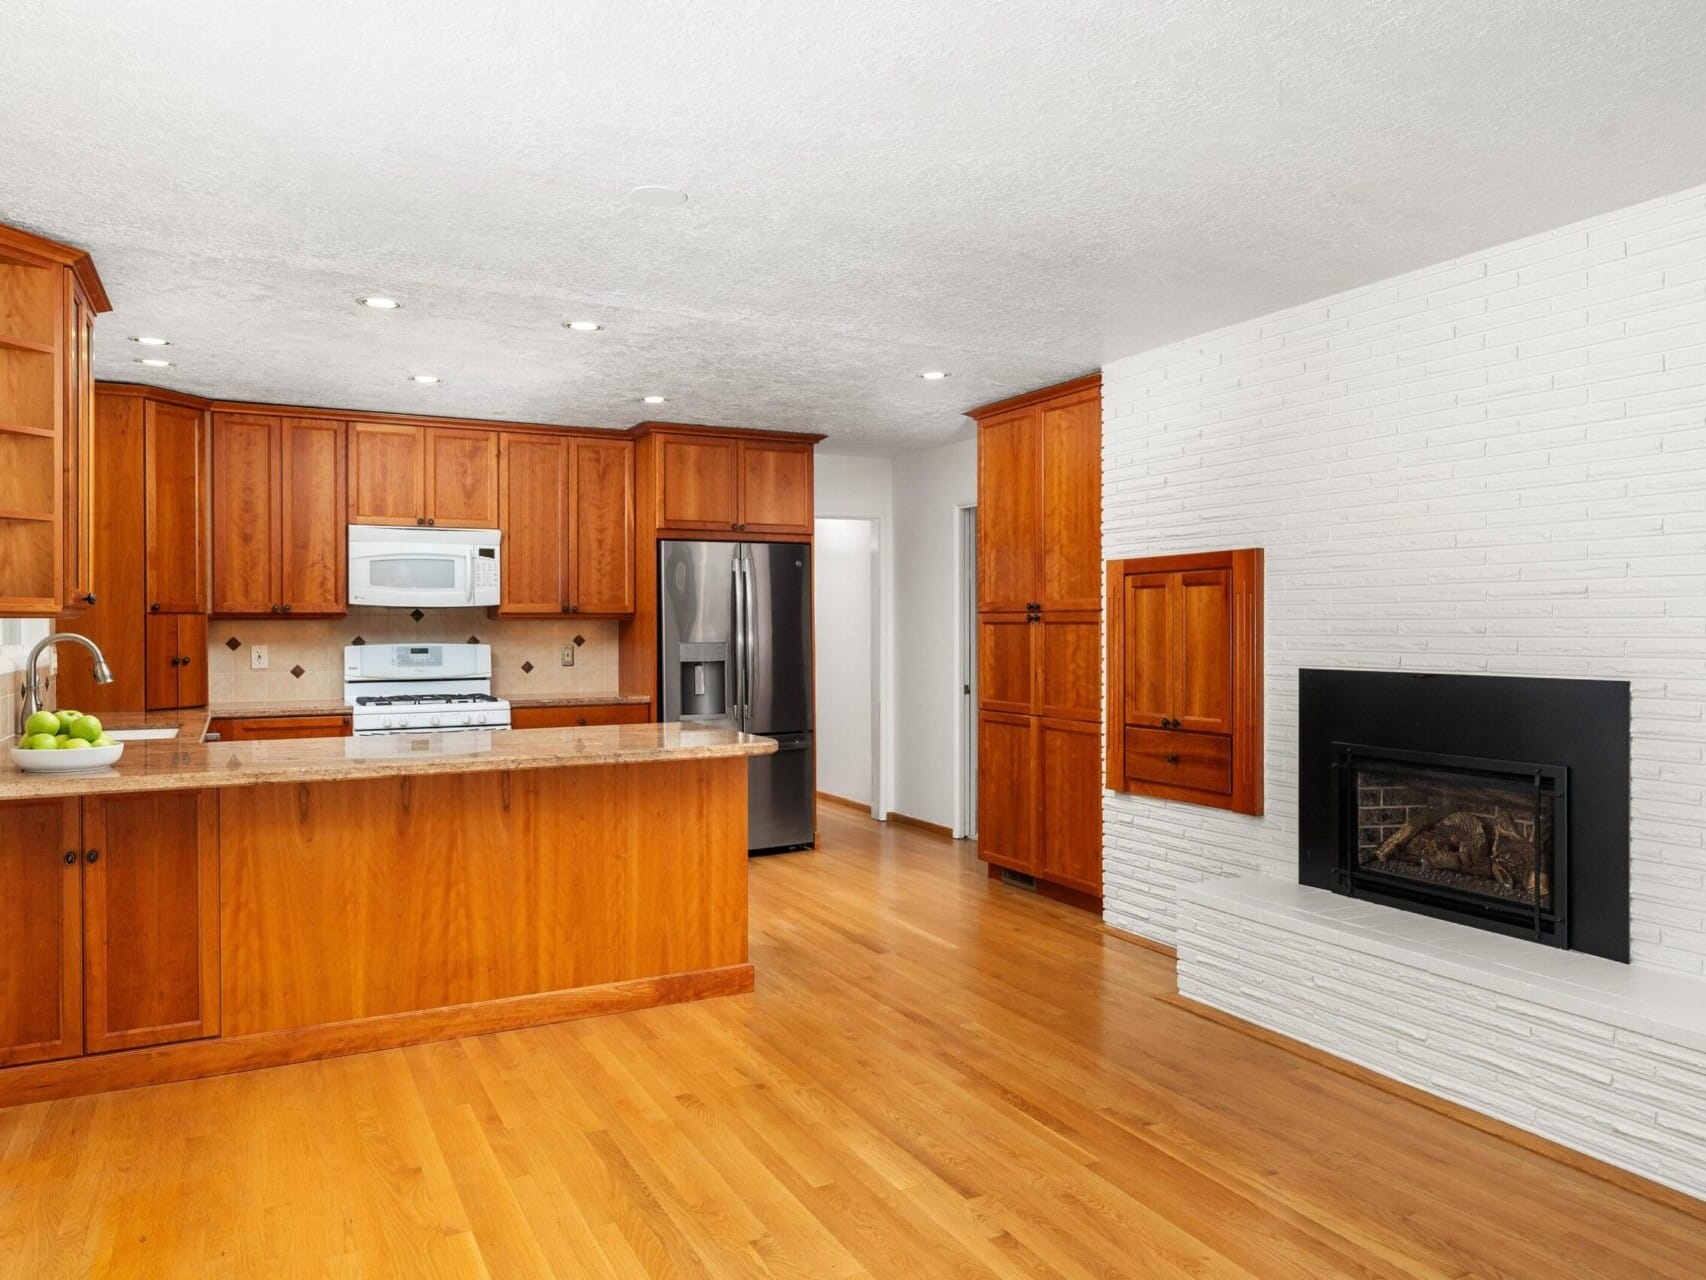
1039, 599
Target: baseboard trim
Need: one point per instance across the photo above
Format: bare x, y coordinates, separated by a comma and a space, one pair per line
194, 1059
825, 797
919, 823
1138, 940
1591, 1165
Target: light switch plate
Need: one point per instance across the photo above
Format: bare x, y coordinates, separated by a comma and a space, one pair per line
257, 657
568, 655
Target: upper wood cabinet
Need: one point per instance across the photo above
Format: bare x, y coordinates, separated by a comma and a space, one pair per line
174, 446
1185, 678
175, 661
401, 474
1040, 501
566, 510
279, 512
49, 295
722, 484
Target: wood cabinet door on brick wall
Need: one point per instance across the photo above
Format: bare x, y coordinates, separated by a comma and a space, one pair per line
1071, 536
532, 515
601, 527
1008, 514
1203, 667
150, 919
387, 479
313, 499
174, 477
1007, 790
41, 932
1148, 636
245, 514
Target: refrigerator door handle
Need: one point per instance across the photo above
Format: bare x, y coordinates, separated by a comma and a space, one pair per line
737, 644
748, 641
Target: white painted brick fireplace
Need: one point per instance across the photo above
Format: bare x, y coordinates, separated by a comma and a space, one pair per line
1492, 466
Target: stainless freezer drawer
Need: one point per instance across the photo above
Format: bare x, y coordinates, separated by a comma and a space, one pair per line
780, 802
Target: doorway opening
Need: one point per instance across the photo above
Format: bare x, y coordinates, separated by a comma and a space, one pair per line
848, 630
965, 822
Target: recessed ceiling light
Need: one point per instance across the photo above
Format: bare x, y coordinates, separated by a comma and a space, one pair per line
425, 377
933, 375
658, 197
380, 304
651, 399
156, 363
151, 342
583, 326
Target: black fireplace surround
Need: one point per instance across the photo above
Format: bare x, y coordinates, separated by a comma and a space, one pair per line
1500, 802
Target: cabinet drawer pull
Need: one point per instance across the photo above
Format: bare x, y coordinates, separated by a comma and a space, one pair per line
1172, 757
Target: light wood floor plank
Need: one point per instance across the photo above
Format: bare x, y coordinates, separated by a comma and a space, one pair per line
937, 1076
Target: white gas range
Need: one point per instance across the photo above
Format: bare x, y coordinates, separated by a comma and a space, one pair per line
421, 688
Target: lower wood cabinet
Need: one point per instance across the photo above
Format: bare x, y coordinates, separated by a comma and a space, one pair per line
274, 728
109, 926
1040, 797
568, 717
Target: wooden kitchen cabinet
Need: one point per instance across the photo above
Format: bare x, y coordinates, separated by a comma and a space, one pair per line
1007, 818
41, 932
279, 512
1185, 678
150, 919
572, 717
401, 474
174, 444
729, 484
49, 295
176, 661
566, 510
277, 728
1069, 784
1008, 513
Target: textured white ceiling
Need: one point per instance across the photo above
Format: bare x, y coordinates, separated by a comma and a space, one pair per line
1012, 191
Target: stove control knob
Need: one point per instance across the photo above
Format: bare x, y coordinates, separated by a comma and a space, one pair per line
464, 718
434, 719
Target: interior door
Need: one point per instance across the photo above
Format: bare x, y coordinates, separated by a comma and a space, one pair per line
1203, 658
174, 478
779, 636
313, 528
41, 932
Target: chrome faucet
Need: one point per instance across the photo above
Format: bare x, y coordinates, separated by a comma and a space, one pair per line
29, 700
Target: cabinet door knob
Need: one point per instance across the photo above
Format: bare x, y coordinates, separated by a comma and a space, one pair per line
420, 519
154, 608
287, 608
89, 599
431, 520
574, 608
94, 855
71, 857
185, 661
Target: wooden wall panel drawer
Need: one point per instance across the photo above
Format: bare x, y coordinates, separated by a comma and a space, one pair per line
1198, 761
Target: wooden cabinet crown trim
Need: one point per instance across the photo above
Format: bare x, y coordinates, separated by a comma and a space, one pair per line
726, 433
1089, 383
67, 255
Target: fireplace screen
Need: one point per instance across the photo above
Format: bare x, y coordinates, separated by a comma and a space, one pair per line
1457, 834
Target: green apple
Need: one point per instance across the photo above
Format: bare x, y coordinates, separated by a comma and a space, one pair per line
104, 741
39, 742
60, 739
74, 744
41, 722
86, 727
67, 719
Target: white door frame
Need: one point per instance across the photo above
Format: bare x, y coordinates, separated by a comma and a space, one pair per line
879, 608
965, 671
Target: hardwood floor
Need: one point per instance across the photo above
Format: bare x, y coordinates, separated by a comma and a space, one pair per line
937, 1076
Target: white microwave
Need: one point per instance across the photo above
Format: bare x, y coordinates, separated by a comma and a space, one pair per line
415, 568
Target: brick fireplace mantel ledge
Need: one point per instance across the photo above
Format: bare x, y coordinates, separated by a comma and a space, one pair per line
1598, 1056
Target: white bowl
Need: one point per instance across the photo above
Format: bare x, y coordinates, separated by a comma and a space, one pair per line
66, 761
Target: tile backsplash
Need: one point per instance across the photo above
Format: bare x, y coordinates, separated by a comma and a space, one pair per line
305, 656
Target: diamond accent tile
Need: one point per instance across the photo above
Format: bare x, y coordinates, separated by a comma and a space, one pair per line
579, 641
473, 639
358, 640
233, 644
416, 614
527, 667
298, 671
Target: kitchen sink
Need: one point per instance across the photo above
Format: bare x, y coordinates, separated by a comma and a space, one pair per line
141, 735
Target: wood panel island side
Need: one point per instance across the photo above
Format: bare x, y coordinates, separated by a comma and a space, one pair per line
212, 907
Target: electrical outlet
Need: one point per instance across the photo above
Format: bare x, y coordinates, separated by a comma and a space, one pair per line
257, 657
568, 655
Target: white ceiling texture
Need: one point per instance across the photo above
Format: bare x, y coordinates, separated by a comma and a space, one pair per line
1013, 192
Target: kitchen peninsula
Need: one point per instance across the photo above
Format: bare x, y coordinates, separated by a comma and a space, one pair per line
206, 907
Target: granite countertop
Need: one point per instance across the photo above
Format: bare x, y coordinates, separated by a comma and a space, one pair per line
186, 763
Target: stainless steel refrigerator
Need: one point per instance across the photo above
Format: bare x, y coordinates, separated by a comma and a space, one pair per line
735, 648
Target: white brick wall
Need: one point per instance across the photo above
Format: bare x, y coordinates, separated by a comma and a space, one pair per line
1493, 465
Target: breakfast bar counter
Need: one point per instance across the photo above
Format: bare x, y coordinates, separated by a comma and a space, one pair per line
210, 907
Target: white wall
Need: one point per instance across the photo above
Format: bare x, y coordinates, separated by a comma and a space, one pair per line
1494, 465
864, 487
845, 630
929, 488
